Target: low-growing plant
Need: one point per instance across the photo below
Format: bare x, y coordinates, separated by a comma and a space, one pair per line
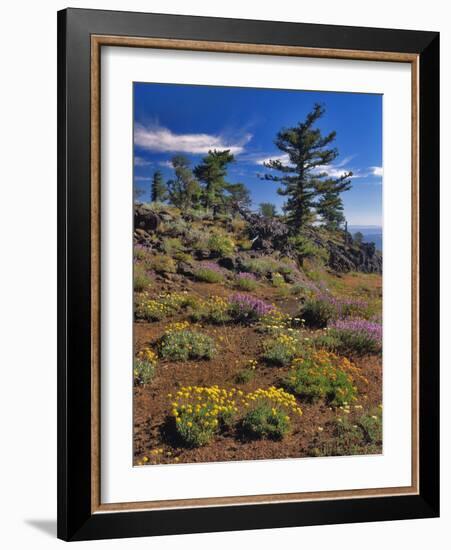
281, 349
246, 281
209, 273
162, 306
261, 266
321, 310
244, 376
350, 436
140, 252
247, 373
356, 336
185, 257
321, 374
244, 244
220, 244
200, 412
238, 225
145, 366
274, 321
277, 280
269, 413
318, 312
248, 309
215, 309
141, 279
162, 264
185, 344
265, 422
172, 245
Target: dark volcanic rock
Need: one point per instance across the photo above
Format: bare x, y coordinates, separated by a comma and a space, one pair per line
363, 257
146, 219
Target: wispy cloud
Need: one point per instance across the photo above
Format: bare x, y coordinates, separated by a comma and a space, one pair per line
332, 170
142, 178
139, 161
160, 139
377, 171
284, 158
336, 170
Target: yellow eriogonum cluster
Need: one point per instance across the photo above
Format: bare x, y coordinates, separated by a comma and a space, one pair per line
147, 354
274, 397
199, 411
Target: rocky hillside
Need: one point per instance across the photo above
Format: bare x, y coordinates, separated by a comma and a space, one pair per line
253, 235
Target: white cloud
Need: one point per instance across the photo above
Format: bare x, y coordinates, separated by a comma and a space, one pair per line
377, 171
335, 171
141, 178
165, 163
157, 138
284, 159
139, 161
332, 170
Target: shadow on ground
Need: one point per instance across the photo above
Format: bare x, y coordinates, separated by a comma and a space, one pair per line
46, 526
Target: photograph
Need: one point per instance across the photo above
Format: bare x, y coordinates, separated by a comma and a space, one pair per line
257, 274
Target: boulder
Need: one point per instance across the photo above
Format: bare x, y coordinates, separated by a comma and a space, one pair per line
146, 218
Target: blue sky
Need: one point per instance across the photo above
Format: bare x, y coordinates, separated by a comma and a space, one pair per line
174, 119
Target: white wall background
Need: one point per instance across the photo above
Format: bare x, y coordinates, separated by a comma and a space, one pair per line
28, 272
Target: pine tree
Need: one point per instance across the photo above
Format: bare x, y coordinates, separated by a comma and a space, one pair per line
158, 190
267, 209
237, 197
301, 178
330, 204
184, 191
211, 172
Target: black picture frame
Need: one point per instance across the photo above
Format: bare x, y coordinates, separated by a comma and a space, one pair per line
75, 518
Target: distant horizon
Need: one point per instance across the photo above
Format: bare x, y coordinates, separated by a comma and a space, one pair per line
184, 119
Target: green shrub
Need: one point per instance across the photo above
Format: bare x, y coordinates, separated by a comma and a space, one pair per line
245, 375
277, 280
183, 257
172, 245
141, 279
246, 285
266, 422
162, 264
347, 342
307, 249
214, 310
244, 244
208, 275
321, 374
318, 312
350, 437
164, 305
139, 252
246, 282
181, 345
282, 349
144, 366
220, 244
200, 412
261, 266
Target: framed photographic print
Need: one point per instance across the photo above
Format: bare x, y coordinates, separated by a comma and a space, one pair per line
248, 274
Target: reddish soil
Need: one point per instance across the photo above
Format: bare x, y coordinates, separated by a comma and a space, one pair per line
154, 434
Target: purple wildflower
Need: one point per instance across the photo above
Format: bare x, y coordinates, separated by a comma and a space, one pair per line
370, 329
345, 307
248, 276
246, 305
211, 266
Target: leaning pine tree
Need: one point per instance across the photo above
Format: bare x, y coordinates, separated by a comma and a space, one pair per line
303, 181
